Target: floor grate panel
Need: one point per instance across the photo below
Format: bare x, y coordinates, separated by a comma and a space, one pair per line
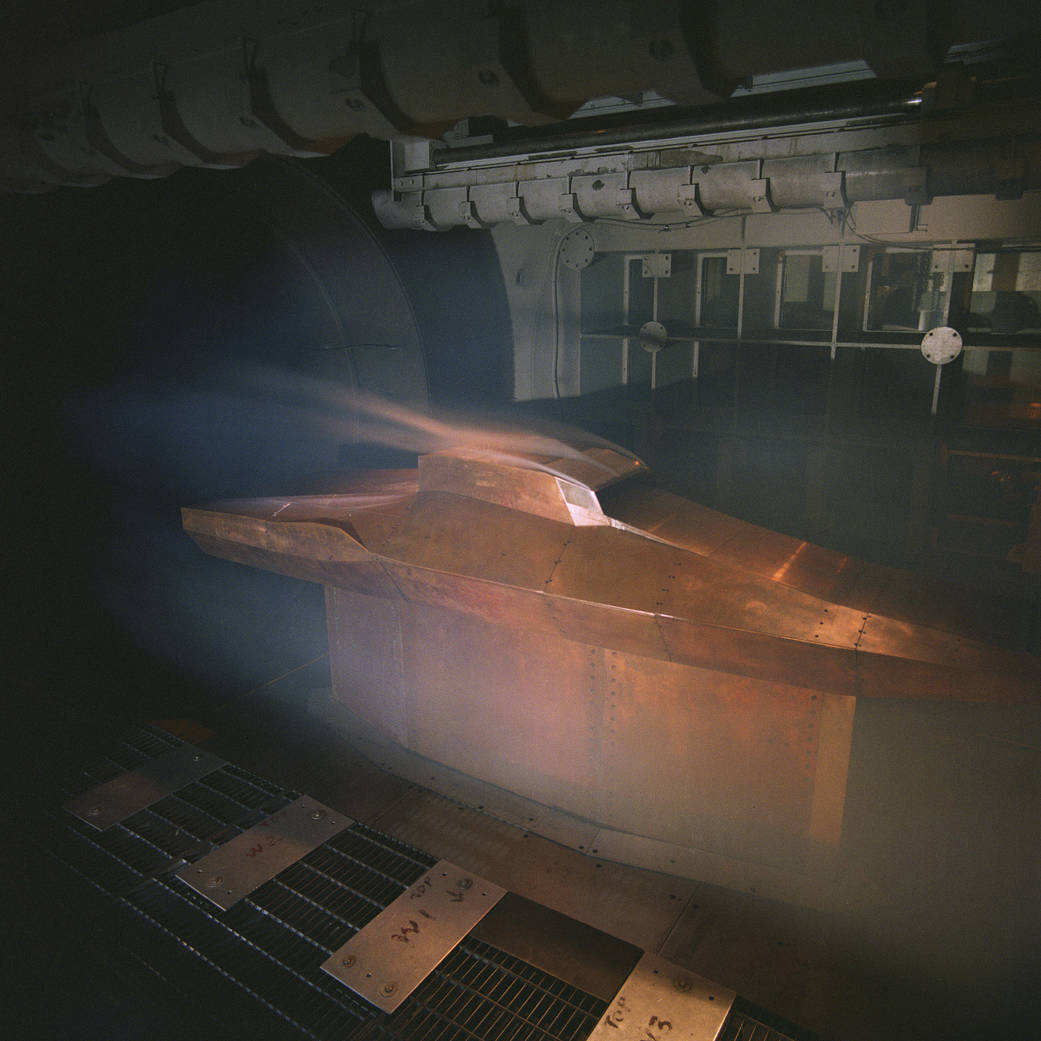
257, 965
745, 1025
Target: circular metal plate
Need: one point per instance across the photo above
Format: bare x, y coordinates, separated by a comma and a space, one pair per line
578, 249
941, 345
653, 336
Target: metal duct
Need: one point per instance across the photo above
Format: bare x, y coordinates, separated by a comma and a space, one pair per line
612, 186
217, 83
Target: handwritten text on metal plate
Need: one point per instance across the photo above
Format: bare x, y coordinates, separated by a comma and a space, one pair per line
387, 959
246, 862
663, 1002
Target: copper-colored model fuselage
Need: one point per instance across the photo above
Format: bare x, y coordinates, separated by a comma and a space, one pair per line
658, 683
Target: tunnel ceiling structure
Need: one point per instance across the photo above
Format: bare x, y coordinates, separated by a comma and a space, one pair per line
153, 88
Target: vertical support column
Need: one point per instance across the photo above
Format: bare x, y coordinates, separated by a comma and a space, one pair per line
834, 743
567, 334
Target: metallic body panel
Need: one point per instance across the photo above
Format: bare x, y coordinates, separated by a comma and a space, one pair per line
368, 659
833, 576
530, 724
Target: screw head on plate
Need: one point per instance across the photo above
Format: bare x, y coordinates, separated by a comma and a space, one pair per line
216, 880
388, 988
349, 961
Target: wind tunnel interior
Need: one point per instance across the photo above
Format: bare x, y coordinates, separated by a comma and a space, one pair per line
202, 338
177, 343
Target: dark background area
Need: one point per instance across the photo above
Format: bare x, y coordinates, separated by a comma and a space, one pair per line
134, 315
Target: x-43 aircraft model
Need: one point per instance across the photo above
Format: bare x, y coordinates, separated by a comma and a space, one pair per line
563, 644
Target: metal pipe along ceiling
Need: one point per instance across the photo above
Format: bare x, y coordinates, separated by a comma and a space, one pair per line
529, 193
218, 83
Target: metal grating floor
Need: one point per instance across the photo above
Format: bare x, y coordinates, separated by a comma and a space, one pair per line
257, 965
482, 994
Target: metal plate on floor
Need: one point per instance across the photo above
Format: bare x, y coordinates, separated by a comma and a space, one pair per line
410, 937
247, 861
137, 789
662, 1002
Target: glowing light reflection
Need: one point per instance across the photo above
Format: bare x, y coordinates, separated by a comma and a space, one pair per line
364, 418
780, 574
